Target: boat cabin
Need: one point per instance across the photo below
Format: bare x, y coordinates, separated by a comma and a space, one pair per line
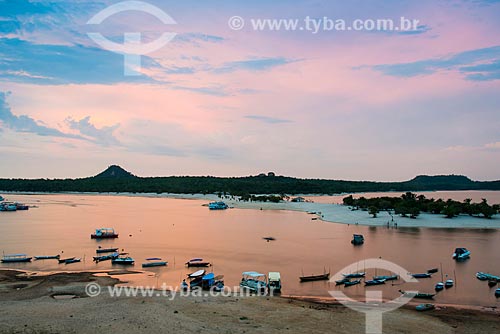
274, 279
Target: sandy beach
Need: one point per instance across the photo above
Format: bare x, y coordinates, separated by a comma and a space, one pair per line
28, 306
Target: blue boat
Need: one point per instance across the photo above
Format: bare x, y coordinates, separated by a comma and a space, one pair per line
69, 261
354, 275
351, 283
497, 293
154, 262
47, 257
425, 307
375, 282
254, 281
123, 259
217, 206
386, 277
357, 239
11, 258
439, 286
111, 256
461, 254
423, 275
485, 276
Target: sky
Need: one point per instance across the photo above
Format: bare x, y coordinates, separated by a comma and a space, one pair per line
224, 99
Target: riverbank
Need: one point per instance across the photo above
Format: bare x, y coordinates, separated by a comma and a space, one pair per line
33, 309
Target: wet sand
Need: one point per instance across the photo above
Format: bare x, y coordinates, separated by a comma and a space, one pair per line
28, 306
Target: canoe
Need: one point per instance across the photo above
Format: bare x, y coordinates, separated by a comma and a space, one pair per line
419, 295
375, 282
354, 275
47, 257
485, 276
154, 264
11, 258
386, 277
106, 250
312, 278
351, 283
425, 307
342, 281
423, 275
432, 271
74, 260
123, 260
66, 259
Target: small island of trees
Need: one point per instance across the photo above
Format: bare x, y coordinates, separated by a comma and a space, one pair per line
410, 205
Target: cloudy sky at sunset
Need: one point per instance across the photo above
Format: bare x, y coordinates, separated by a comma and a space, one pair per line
372, 105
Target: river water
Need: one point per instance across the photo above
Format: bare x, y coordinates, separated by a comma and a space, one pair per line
177, 230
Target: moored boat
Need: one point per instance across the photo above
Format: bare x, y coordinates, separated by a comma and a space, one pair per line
342, 281
12, 258
425, 307
154, 262
485, 276
492, 282
217, 205
254, 281
104, 233
433, 270
423, 275
100, 258
47, 257
20, 206
439, 286
461, 254
449, 283
312, 278
198, 273
386, 277
123, 259
420, 295
351, 283
74, 260
274, 279
197, 262
357, 239
106, 250
66, 259
375, 282
497, 293
355, 275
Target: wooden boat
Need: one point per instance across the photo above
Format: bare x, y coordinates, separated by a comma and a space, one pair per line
74, 260
66, 259
20, 206
47, 257
497, 293
425, 307
269, 239
374, 282
106, 257
357, 239
354, 275
433, 270
439, 286
106, 250
351, 283
461, 254
154, 262
312, 278
449, 283
104, 233
423, 275
197, 262
386, 277
12, 258
342, 281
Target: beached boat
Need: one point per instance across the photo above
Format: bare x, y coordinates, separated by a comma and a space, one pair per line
104, 233
439, 286
154, 262
351, 283
374, 282
312, 278
197, 262
423, 275
12, 258
425, 307
497, 293
217, 205
357, 239
461, 254
449, 283
106, 257
123, 259
485, 276
355, 275
386, 277
274, 279
254, 281
106, 250
69, 261
47, 257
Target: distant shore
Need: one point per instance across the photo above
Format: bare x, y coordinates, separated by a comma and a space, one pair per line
334, 213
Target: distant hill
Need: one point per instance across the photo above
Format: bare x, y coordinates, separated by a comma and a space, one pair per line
117, 179
114, 172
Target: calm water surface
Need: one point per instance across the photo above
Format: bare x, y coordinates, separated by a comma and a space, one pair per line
177, 230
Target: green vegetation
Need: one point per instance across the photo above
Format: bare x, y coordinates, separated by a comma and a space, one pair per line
116, 179
410, 205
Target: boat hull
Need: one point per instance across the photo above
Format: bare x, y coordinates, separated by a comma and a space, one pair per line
154, 264
315, 278
16, 260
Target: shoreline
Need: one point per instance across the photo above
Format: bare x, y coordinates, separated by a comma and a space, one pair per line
332, 213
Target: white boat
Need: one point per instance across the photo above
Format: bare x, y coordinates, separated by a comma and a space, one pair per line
449, 283
254, 281
274, 279
198, 273
439, 286
461, 253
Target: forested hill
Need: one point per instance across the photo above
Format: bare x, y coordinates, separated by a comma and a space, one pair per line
116, 179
